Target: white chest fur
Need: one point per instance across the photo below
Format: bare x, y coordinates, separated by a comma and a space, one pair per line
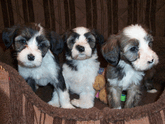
82, 79
43, 74
131, 76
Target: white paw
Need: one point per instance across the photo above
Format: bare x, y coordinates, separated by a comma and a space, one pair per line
82, 104
76, 102
69, 106
53, 103
118, 107
152, 91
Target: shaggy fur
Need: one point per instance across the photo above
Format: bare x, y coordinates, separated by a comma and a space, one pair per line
129, 54
81, 66
36, 50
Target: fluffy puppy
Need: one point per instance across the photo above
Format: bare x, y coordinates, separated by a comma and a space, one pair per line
129, 54
36, 51
81, 66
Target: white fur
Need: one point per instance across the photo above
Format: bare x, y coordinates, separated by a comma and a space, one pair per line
41, 31
63, 96
152, 91
131, 76
45, 73
31, 48
145, 52
134, 72
37, 66
135, 31
81, 30
81, 81
86, 53
82, 41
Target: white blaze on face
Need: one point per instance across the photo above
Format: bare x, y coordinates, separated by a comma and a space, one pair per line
135, 31
82, 41
41, 31
81, 30
146, 54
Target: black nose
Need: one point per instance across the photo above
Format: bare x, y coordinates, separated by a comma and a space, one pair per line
80, 48
31, 57
150, 62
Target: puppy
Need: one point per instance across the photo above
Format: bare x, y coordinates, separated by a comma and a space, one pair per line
129, 54
37, 50
81, 66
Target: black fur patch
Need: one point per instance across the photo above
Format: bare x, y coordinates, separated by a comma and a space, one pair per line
71, 39
71, 65
91, 39
131, 53
61, 84
43, 44
31, 83
149, 38
27, 32
20, 44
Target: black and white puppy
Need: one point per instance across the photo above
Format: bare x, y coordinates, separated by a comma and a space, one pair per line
81, 66
129, 54
37, 50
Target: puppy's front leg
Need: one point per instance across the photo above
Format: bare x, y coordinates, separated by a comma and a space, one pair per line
60, 98
64, 99
114, 94
133, 96
55, 99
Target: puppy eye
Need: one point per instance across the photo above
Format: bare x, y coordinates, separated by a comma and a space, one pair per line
71, 41
89, 39
22, 41
42, 45
150, 44
134, 49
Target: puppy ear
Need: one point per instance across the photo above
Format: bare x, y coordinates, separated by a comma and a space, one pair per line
66, 35
111, 51
8, 35
99, 37
56, 43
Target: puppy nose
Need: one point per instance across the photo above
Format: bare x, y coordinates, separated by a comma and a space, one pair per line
150, 62
80, 48
31, 57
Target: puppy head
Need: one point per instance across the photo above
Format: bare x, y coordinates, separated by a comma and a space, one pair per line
81, 42
31, 43
133, 45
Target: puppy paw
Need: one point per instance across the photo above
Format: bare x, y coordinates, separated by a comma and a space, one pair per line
76, 102
86, 106
82, 104
69, 106
53, 103
152, 91
118, 107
